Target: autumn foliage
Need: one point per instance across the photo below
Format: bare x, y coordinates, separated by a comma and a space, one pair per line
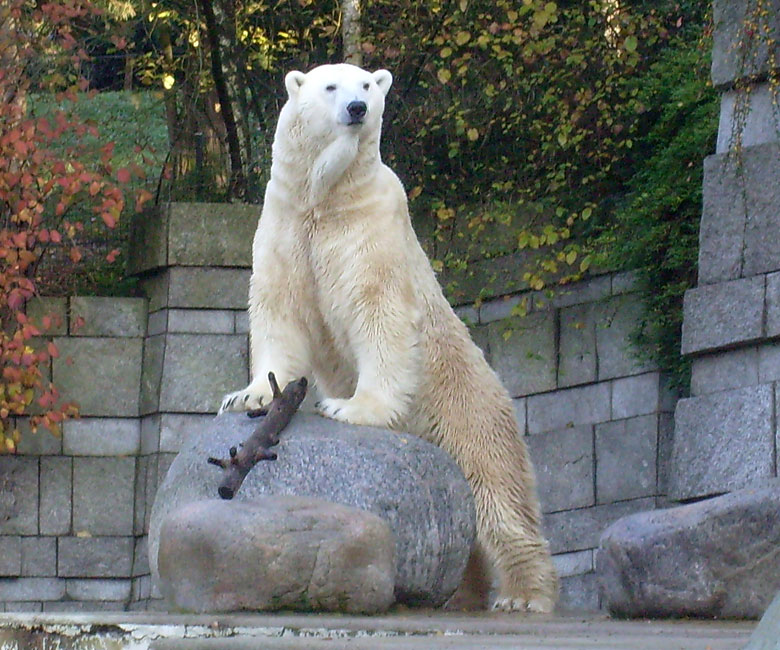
44, 198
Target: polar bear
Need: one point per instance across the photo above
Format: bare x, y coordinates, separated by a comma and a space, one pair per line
342, 292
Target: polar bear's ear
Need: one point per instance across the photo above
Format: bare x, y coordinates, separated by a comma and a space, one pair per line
294, 80
384, 80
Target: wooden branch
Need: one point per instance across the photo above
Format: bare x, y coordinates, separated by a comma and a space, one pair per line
256, 448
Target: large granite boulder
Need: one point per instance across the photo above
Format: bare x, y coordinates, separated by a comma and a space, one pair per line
276, 552
714, 558
412, 485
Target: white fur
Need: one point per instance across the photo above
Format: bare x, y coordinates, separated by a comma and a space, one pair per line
341, 292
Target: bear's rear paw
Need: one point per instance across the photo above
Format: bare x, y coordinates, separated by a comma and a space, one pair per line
535, 605
248, 399
356, 410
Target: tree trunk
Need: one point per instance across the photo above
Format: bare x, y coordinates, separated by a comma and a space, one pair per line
350, 32
220, 29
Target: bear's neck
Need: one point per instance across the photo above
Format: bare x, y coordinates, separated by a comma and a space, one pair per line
315, 174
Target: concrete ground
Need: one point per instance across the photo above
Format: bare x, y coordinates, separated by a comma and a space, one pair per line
398, 631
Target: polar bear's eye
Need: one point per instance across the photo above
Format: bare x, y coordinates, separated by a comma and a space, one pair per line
366, 86
330, 87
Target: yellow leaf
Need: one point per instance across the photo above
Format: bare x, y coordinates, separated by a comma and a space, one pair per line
437, 265
571, 257
416, 191
461, 38
168, 81
445, 52
444, 75
472, 134
83, 533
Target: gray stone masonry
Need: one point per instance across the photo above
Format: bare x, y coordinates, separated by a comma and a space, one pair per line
740, 207
75, 510
726, 433
739, 50
193, 234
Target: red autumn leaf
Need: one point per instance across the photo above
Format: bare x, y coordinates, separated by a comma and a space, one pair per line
75, 255
123, 175
53, 351
112, 255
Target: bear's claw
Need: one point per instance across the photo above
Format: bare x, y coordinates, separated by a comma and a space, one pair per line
536, 605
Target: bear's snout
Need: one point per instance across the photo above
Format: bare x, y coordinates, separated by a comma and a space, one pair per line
357, 111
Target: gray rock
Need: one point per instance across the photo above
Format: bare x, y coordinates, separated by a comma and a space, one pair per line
414, 486
276, 552
767, 635
714, 558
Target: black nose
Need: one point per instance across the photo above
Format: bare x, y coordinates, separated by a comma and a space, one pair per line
357, 110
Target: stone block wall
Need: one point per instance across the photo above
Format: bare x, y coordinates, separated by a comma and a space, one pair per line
597, 420
74, 512
726, 433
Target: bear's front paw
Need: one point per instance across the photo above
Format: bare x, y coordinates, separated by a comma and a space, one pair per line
355, 410
535, 604
248, 399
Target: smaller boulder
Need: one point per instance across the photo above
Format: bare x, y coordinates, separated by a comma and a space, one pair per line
714, 558
278, 552
766, 636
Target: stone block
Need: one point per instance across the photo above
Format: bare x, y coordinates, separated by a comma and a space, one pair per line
139, 494
573, 564
151, 374
102, 437
590, 290
626, 452
723, 441
523, 353
757, 123
23, 607
56, 495
98, 589
577, 363
769, 363
521, 413
579, 593
95, 557
736, 56
468, 314
103, 495
724, 371
722, 315
201, 321
200, 369
193, 234
10, 555
18, 495
617, 320
579, 530
41, 443
636, 395
208, 288
56, 309
157, 323
741, 202
141, 557
569, 407
25, 589
39, 556
499, 308
242, 321
623, 282
150, 434
98, 316
175, 429
665, 448
565, 467
103, 375
773, 305
155, 288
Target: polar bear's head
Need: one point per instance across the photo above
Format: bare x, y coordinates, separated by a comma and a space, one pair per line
333, 98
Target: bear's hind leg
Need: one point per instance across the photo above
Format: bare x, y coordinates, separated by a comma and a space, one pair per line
509, 533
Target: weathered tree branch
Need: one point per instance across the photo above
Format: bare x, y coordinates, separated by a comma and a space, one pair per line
256, 448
